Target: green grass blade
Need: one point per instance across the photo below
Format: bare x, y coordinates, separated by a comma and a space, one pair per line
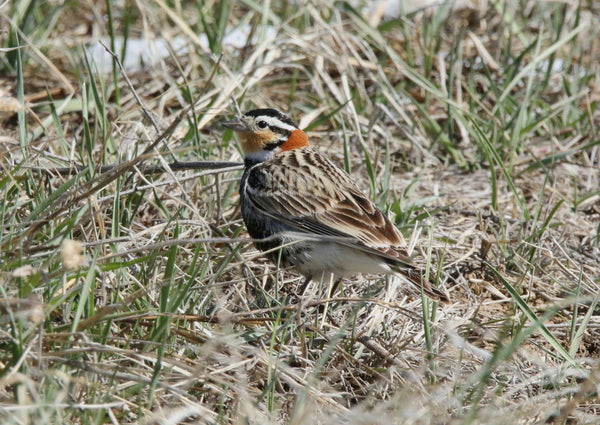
537, 323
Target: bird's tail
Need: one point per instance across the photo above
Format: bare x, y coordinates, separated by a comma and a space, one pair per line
415, 276
400, 263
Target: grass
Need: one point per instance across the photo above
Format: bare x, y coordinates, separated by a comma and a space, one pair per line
130, 295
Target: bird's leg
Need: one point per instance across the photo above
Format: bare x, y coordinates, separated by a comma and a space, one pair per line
334, 287
331, 288
299, 323
305, 285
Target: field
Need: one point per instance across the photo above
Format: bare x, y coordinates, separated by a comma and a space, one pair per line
131, 292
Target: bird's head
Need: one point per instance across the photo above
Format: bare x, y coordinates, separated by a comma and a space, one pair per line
266, 132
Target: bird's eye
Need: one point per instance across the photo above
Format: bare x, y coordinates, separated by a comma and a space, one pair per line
262, 124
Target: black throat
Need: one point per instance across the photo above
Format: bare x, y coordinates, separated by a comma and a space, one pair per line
250, 162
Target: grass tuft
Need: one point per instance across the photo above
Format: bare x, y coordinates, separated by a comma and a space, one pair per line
130, 292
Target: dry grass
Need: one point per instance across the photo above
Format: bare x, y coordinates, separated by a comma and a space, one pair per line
477, 127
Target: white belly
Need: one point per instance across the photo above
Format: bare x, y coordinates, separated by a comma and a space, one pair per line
340, 260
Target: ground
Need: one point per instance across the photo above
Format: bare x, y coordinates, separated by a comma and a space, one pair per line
131, 292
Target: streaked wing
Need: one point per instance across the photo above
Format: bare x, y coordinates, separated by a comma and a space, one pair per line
320, 199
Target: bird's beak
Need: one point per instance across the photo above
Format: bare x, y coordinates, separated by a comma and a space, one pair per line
235, 124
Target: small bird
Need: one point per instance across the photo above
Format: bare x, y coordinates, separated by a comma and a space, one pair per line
306, 213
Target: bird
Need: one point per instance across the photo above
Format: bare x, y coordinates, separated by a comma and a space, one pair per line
306, 213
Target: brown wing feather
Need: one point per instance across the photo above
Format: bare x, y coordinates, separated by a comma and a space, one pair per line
322, 199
